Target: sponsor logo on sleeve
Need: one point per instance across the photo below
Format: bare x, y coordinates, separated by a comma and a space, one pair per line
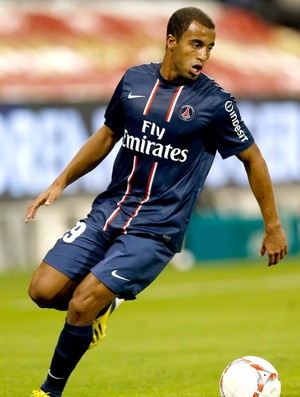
235, 121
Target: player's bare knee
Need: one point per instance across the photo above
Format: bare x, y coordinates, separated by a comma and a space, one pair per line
79, 312
82, 305
82, 309
39, 296
40, 301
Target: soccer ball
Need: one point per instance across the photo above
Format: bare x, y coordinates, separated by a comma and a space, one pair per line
250, 376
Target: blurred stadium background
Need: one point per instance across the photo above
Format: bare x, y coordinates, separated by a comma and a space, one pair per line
59, 64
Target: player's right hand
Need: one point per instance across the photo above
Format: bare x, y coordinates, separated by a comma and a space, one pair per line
45, 198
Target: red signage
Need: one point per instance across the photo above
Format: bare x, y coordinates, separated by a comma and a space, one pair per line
78, 54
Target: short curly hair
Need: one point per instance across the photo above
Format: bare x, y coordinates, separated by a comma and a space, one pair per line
181, 19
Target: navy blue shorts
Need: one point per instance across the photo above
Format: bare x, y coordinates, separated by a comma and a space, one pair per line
126, 263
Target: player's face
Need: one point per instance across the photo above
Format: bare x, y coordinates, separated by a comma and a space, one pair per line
191, 52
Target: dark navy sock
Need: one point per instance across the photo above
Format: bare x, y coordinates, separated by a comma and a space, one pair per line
72, 344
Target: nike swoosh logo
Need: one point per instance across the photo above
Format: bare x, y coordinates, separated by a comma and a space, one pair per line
130, 96
114, 274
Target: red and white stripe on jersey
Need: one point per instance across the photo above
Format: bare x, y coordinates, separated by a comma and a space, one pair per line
151, 98
127, 193
146, 197
128, 189
172, 105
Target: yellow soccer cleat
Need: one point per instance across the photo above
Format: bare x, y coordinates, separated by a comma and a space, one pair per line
40, 393
99, 324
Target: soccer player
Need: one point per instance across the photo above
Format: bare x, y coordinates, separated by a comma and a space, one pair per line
171, 119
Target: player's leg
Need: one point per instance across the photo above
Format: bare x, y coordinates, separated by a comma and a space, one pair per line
89, 298
70, 259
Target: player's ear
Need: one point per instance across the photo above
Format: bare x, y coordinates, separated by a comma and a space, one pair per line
171, 42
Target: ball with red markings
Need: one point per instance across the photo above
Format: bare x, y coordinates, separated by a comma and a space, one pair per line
250, 376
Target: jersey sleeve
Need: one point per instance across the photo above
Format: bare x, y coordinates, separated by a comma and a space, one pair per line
114, 114
231, 135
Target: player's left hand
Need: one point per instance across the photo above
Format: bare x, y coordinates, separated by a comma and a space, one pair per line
275, 244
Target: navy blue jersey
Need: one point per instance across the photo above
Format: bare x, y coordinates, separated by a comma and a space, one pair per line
170, 134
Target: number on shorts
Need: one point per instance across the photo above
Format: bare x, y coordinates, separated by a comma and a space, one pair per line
72, 234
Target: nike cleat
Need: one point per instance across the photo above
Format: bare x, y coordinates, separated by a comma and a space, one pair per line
99, 324
40, 393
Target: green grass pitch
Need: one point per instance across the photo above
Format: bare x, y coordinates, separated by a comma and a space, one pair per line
173, 341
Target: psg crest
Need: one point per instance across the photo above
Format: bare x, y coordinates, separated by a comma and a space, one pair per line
186, 112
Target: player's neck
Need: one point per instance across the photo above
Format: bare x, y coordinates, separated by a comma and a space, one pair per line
167, 72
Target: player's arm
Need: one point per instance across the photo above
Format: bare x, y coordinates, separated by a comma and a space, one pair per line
95, 149
274, 241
